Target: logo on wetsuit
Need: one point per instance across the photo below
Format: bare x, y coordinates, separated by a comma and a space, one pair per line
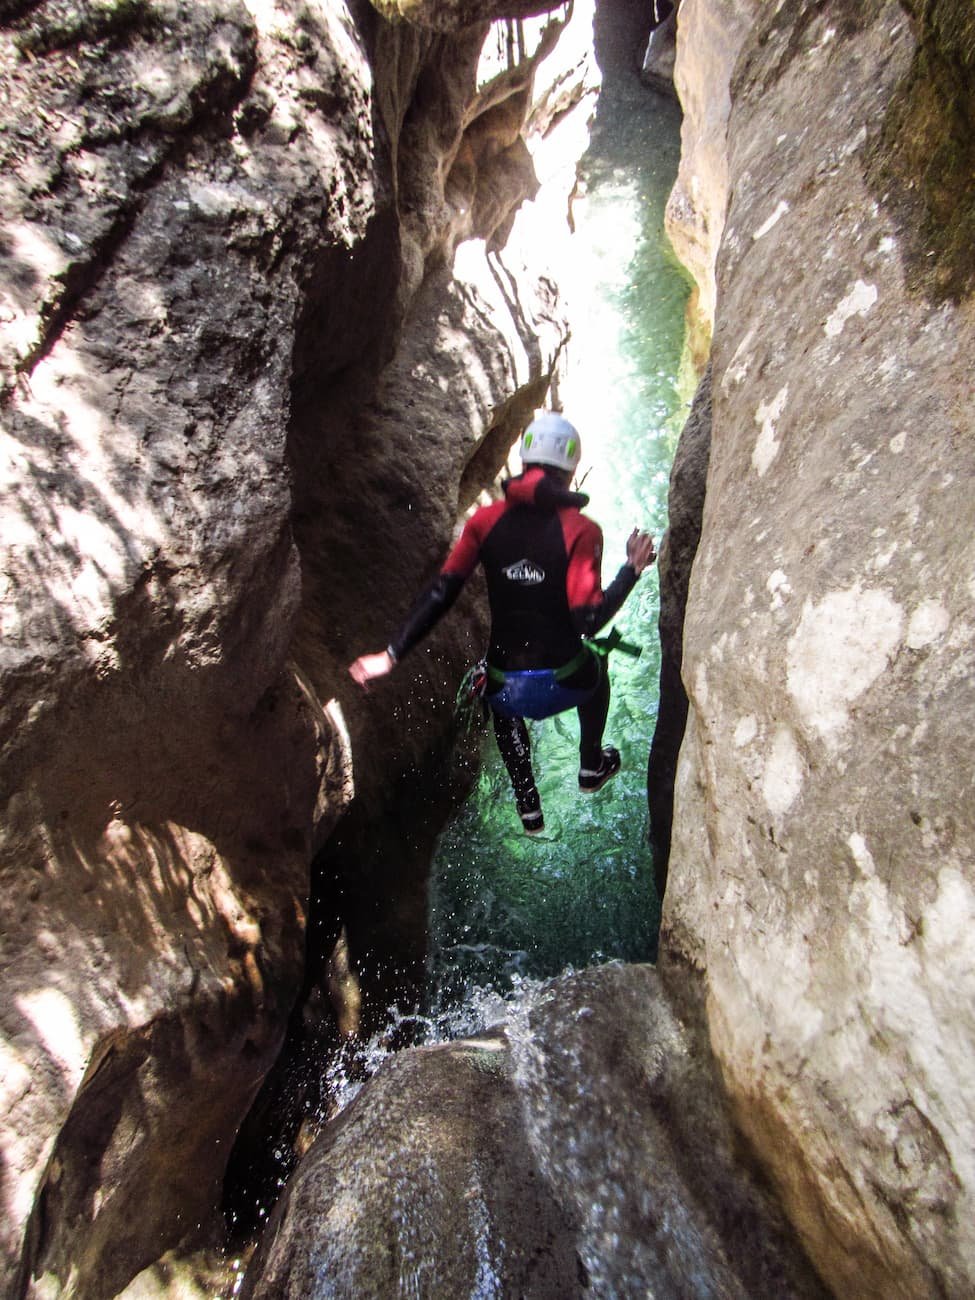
528, 574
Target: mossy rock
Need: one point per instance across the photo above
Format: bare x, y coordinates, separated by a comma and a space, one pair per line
62, 26
924, 165
782, 34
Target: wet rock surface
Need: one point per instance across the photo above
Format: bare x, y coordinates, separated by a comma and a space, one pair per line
822, 873
225, 244
422, 1185
580, 1150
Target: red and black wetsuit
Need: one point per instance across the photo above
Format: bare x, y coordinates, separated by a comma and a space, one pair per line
542, 558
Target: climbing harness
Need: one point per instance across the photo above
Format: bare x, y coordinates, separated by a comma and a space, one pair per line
602, 646
539, 692
532, 692
556, 674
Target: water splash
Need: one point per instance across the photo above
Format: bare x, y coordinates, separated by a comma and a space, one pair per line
481, 1010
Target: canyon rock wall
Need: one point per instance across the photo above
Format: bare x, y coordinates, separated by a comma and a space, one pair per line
661, 53
710, 38
822, 874
218, 221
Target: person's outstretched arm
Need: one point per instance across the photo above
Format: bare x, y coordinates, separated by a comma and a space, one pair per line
428, 609
592, 608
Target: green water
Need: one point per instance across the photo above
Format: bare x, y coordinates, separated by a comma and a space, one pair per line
504, 904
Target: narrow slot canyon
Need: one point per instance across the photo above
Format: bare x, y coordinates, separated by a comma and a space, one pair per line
293, 1006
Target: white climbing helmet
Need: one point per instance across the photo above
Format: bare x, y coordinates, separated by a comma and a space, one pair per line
551, 440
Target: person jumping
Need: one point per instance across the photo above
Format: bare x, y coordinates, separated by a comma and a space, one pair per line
542, 559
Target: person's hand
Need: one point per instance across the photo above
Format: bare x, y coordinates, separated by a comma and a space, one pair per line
368, 667
639, 550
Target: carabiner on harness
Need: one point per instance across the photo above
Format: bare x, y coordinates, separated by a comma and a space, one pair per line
470, 695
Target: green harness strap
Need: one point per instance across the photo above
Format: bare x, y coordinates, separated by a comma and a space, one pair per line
573, 666
605, 645
599, 646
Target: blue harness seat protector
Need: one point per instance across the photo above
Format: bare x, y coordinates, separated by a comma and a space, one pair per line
534, 693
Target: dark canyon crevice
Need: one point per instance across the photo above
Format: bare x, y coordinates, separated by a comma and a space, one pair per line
685, 510
383, 464
382, 467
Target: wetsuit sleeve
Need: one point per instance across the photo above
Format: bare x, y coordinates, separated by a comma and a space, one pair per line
426, 613
591, 607
588, 619
463, 559
440, 595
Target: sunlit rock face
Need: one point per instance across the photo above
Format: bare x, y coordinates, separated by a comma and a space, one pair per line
822, 870
217, 222
581, 1148
710, 33
660, 56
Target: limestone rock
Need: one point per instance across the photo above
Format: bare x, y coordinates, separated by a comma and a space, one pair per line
822, 870
202, 1275
710, 36
163, 770
583, 1150
661, 55
422, 1184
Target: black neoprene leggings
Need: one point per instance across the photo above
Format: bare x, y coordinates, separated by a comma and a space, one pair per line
515, 745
